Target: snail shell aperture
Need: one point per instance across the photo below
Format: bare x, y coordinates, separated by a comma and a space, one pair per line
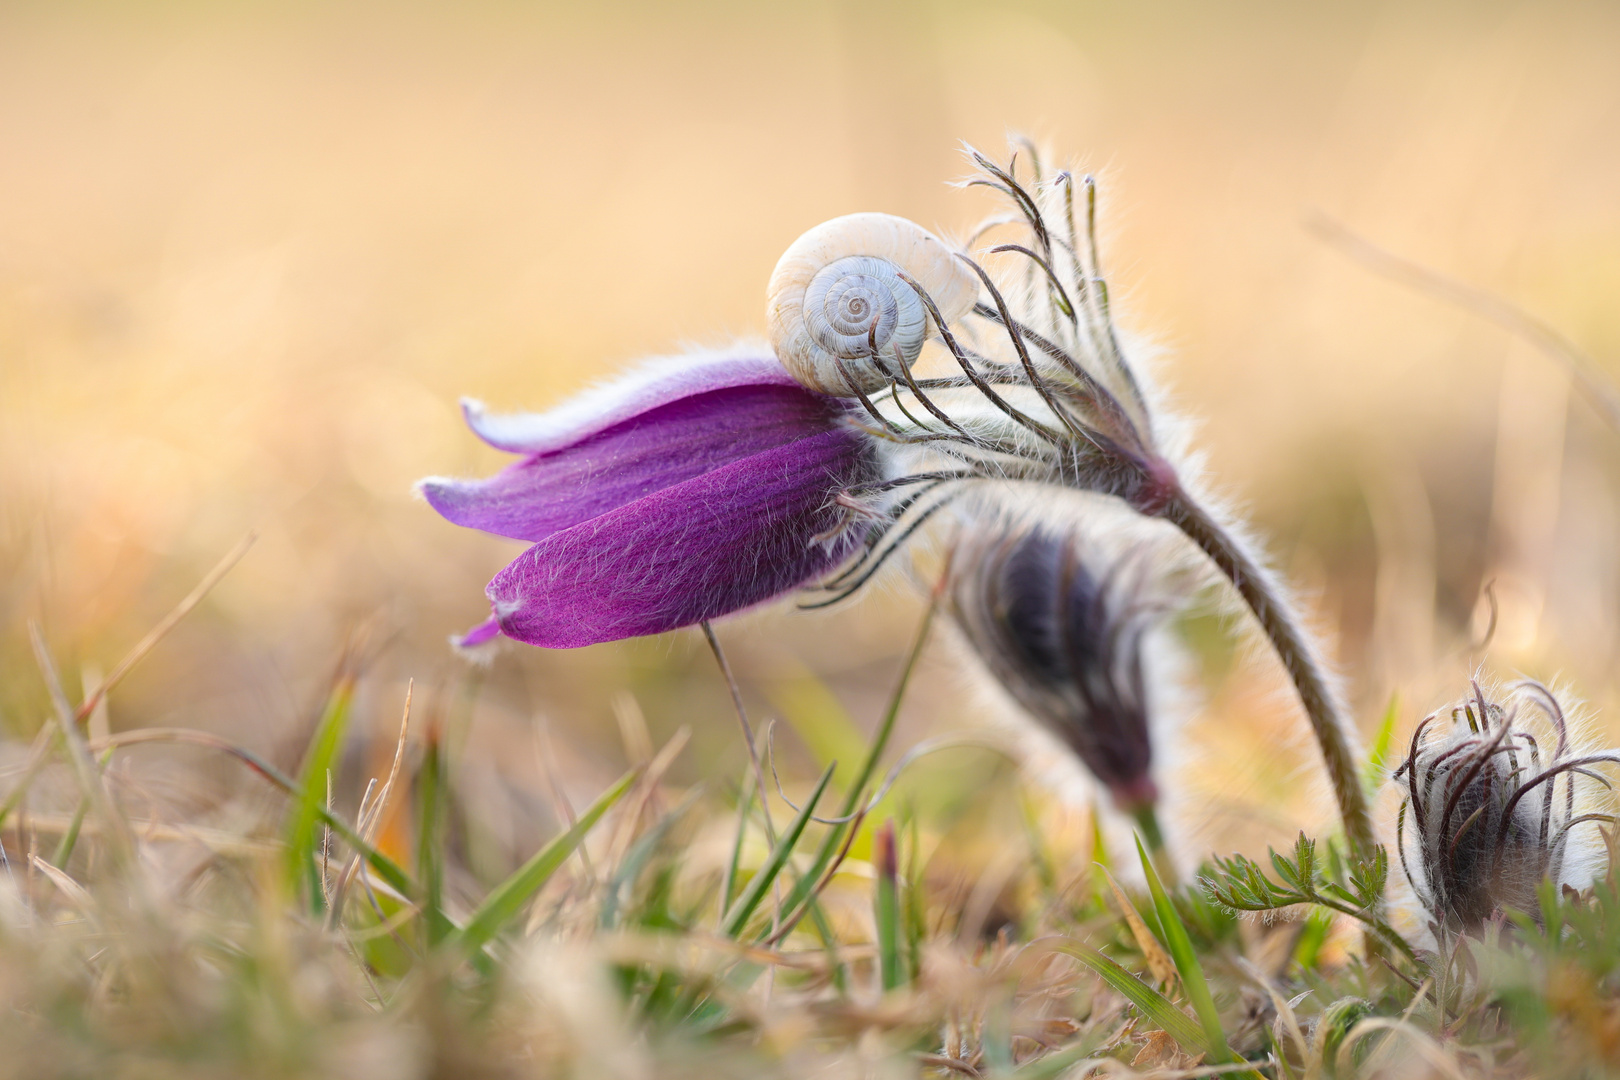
837, 291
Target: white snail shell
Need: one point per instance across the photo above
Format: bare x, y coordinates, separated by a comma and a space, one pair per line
836, 291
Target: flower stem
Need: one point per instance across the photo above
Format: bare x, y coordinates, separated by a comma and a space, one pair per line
748, 730
1147, 823
1298, 655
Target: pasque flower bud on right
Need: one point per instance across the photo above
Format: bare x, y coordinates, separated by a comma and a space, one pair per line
1491, 808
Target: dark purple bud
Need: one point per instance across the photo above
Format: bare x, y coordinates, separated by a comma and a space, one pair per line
1061, 626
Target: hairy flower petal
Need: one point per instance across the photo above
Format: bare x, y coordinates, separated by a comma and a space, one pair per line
664, 445
624, 399
721, 541
488, 629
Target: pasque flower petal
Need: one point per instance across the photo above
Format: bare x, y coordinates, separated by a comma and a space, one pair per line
613, 465
656, 383
720, 541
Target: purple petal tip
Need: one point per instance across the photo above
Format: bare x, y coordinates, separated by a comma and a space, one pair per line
485, 631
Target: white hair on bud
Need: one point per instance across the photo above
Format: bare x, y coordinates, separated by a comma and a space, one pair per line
1145, 575
1499, 793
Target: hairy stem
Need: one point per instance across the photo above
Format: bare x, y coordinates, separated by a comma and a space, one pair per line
1298, 655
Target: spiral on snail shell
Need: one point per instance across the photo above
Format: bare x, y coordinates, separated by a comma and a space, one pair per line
837, 292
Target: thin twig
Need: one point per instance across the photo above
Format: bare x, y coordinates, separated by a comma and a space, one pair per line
1602, 392
161, 630
85, 771
748, 730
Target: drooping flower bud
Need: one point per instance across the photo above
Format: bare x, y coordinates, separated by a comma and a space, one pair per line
1489, 815
1061, 624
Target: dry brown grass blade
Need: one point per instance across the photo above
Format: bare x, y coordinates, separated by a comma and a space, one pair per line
71, 889
372, 817
632, 728
1158, 961
99, 724
1599, 389
85, 771
647, 788
94, 699
1285, 1012
161, 630
217, 841
711, 954
955, 1065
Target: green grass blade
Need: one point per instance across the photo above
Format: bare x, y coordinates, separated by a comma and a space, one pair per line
640, 854
508, 898
831, 843
308, 810
1100, 856
430, 833
738, 917
387, 869
1372, 774
1152, 1004
1173, 933
70, 839
728, 884
916, 915
1059, 1062
886, 907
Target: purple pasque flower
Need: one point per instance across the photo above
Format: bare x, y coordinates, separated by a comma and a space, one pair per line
701, 485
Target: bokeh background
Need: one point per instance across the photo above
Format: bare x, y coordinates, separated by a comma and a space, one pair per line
252, 253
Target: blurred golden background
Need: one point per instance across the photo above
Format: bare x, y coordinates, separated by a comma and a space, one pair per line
251, 254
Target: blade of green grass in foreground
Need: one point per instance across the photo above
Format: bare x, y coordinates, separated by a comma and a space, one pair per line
1059, 1062
1173, 934
738, 917
387, 869
64, 850
1153, 1005
508, 898
728, 885
1372, 774
303, 821
431, 799
886, 906
857, 790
